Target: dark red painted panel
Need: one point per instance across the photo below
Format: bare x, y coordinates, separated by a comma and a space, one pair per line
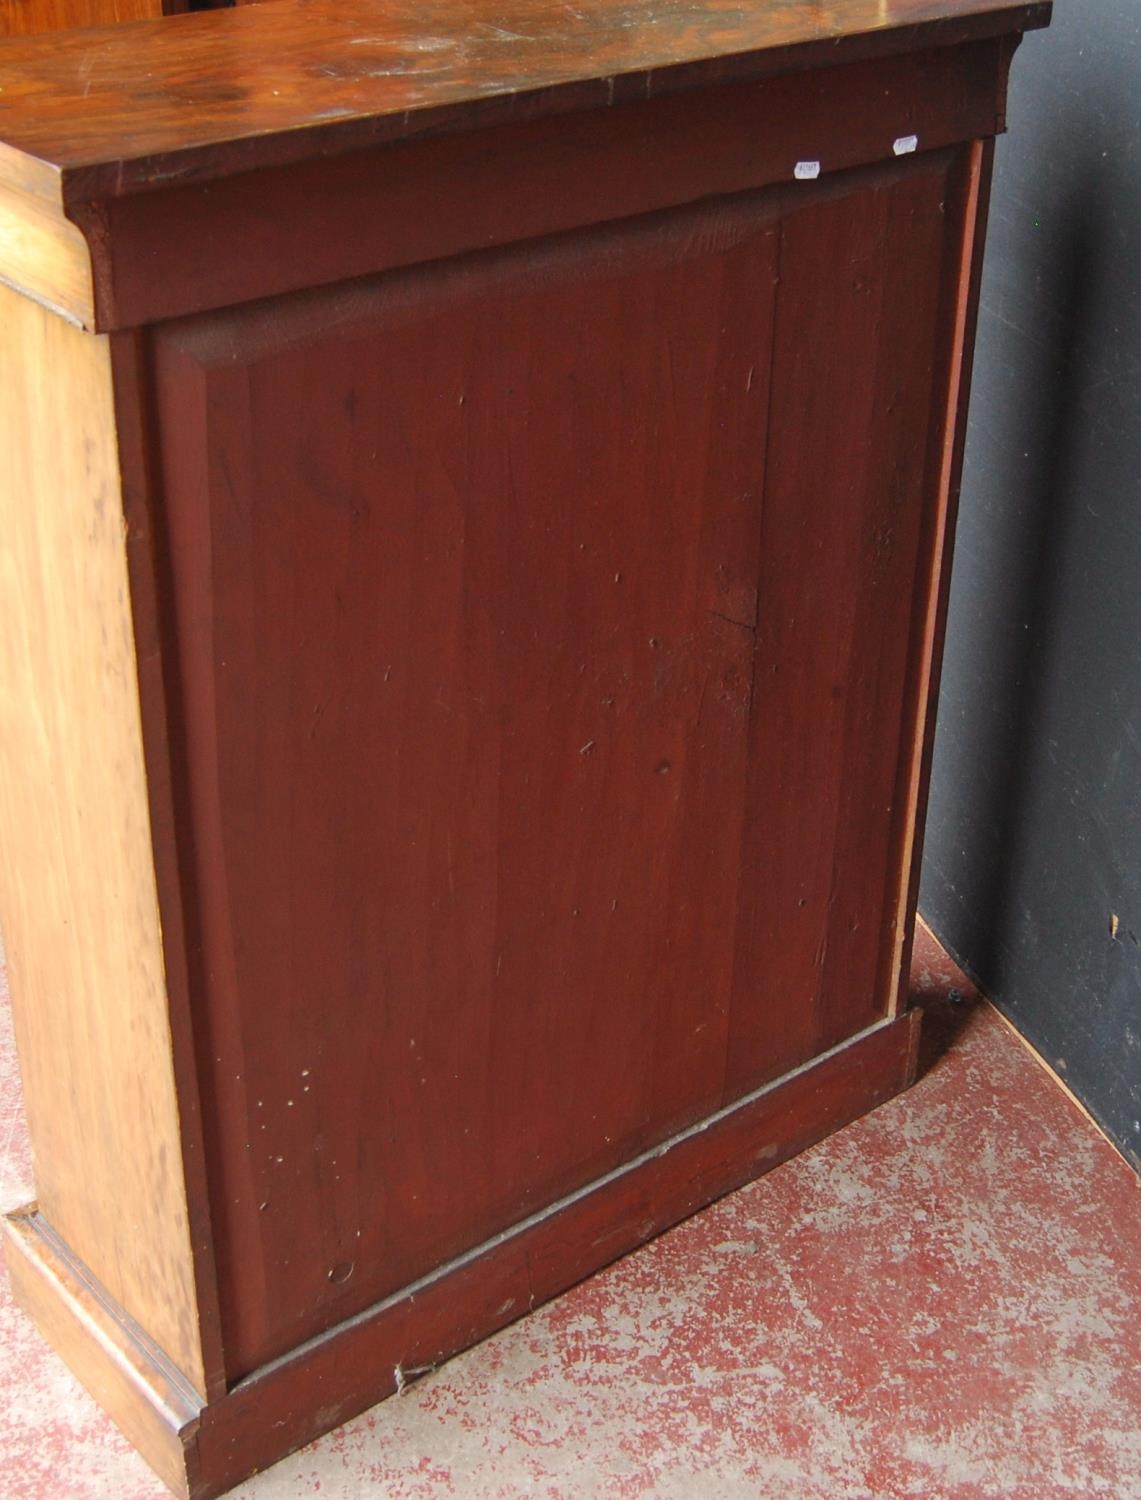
853, 382
540, 746
465, 568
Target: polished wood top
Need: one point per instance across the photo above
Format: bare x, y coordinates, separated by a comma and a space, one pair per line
117, 110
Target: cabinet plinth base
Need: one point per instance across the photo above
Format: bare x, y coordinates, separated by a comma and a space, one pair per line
202, 1449
148, 1399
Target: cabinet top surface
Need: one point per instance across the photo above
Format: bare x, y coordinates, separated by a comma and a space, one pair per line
125, 108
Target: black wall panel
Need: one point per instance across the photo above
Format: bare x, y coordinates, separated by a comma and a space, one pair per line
1032, 872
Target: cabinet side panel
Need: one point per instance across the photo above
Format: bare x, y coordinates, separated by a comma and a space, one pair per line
77, 886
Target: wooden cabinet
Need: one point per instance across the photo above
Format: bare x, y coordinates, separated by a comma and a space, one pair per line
474, 544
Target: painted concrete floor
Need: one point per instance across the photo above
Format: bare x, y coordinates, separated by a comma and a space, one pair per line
943, 1300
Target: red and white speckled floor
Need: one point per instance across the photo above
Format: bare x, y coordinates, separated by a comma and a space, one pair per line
943, 1300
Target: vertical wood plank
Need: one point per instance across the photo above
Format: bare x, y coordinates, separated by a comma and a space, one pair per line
854, 356
156, 664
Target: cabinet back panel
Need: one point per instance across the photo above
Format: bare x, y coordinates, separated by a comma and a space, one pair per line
535, 719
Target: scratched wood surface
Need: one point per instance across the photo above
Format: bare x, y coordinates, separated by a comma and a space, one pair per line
542, 714
190, 246
465, 577
229, 90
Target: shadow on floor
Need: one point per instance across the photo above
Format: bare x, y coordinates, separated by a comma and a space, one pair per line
950, 1002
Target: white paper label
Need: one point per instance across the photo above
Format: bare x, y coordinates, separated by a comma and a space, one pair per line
806, 170
905, 145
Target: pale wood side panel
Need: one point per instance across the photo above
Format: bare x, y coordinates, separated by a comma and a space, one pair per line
77, 885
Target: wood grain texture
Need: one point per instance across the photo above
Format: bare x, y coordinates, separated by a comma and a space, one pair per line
185, 249
44, 255
464, 572
137, 472
28, 17
140, 1390
854, 373
226, 91
603, 672
77, 890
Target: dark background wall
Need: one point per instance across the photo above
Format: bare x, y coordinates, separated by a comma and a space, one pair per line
1032, 872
